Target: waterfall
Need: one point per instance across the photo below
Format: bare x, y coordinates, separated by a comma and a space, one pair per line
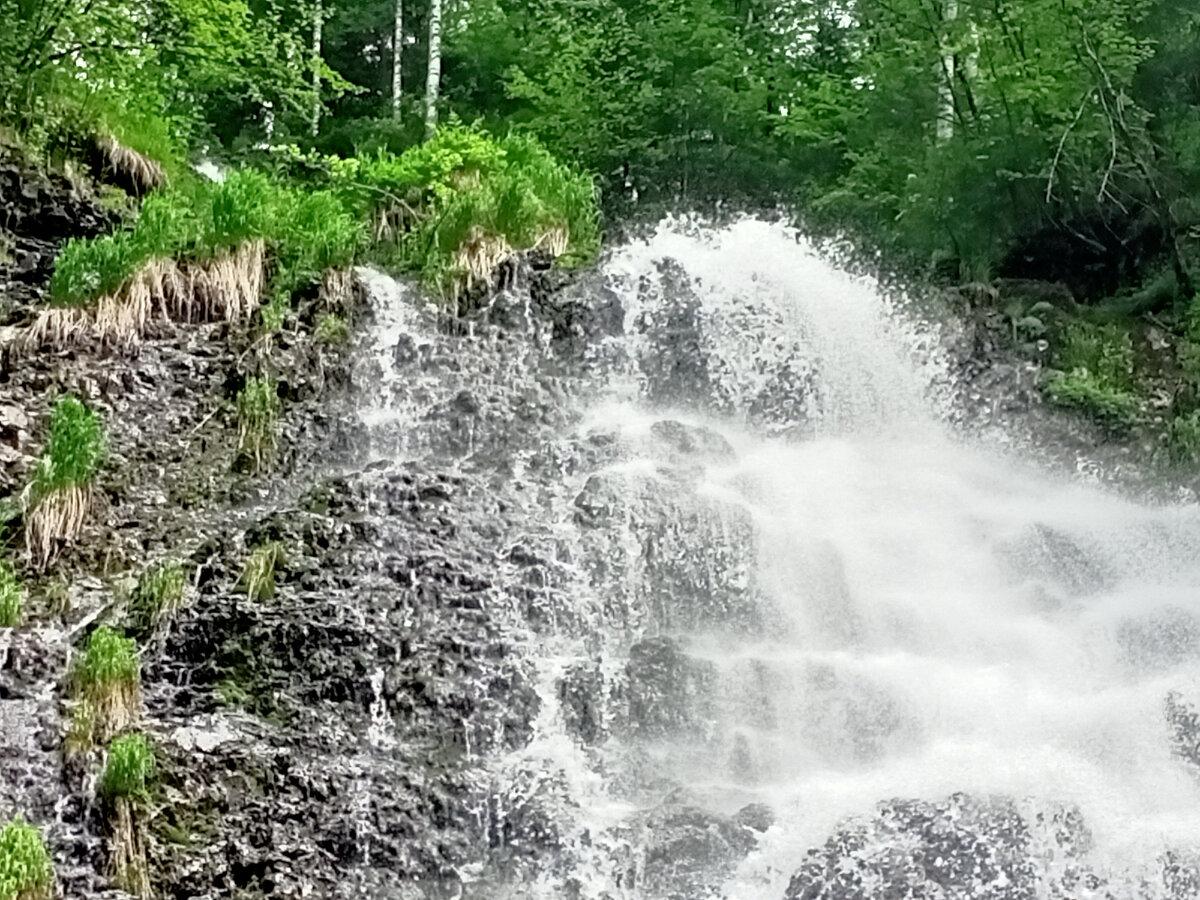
768, 590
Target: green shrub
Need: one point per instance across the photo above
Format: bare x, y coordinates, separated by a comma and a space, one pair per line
258, 409
130, 769
74, 450
332, 330
26, 872
158, 594
258, 577
12, 598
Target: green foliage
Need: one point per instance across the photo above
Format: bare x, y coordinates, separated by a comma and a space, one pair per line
158, 594
1097, 377
74, 450
130, 769
258, 410
12, 598
109, 660
332, 330
1183, 440
306, 231
258, 576
26, 872
464, 186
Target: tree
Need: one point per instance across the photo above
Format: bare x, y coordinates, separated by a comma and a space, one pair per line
434, 75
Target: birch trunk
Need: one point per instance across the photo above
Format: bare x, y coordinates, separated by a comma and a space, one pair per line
945, 120
317, 25
435, 67
397, 58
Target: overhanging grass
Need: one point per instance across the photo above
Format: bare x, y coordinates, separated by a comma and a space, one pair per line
26, 872
305, 232
158, 594
258, 577
75, 448
108, 682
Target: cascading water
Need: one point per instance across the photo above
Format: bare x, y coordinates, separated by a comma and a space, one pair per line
765, 589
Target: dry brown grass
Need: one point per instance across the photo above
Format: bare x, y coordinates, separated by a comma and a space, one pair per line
127, 850
56, 519
58, 327
476, 260
337, 288
554, 241
227, 287
137, 170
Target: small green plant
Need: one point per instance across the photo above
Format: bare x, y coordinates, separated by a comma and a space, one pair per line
12, 598
57, 593
130, 769
332, 330
1097, 374
108, 678
258, 409
258, 577
1183, 439
60, 496
26, 872
158, 595
230, 693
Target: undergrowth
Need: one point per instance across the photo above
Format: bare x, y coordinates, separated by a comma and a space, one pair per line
1096, 374
26, 872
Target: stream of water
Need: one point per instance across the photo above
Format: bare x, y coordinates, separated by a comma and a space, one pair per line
796, 588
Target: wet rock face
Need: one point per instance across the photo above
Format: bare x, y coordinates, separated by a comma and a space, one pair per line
960, 847
688, 852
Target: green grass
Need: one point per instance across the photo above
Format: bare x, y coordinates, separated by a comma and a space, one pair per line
75, 449
26, 872
12, 598
258, 576
258, 410
158, 594
1096, 376
130, 769
464, 183
108, 660
332, 330
306, 232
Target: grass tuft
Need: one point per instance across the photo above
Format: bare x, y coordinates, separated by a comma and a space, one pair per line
108, 679
258, 410
158, 595
26, 872
130, 769
12, 598
60, 497
258, 577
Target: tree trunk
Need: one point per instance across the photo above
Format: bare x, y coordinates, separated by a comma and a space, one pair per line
397, 56
945, 118
435, 67
318, 24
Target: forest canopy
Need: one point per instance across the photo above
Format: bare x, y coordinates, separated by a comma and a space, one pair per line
1049, 138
